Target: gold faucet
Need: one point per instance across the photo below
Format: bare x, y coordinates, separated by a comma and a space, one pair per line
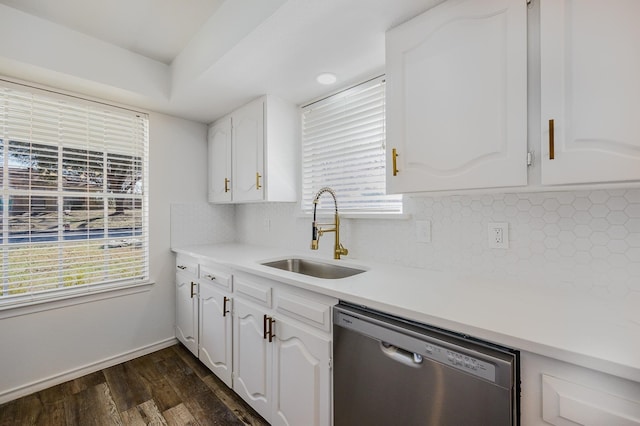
317, 231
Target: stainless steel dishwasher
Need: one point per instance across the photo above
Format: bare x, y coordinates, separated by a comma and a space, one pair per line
391, 371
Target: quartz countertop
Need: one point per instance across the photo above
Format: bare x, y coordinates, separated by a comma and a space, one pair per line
583, 329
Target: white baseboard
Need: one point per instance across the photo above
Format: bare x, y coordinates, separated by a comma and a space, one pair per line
38, 385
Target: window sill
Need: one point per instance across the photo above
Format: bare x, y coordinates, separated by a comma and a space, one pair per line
386, 216
43, 302
347, 215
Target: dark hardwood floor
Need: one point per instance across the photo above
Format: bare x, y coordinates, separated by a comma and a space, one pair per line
168, 387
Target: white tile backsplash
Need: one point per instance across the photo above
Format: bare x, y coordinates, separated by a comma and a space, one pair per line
585, 240
202, 224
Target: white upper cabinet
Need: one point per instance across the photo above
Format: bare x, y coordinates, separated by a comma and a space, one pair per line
248, 152
590, 88
253, 154
457, 97
220, 161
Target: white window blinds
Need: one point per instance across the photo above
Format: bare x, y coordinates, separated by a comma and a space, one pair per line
343, 147
74, 195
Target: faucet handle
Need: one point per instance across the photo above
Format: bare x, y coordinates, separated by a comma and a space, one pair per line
314, 236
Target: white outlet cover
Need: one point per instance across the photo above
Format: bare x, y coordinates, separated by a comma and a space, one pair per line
498, 235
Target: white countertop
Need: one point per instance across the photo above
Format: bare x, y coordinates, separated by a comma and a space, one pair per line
581, 329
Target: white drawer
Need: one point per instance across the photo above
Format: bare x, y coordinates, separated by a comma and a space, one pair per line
304, 309
218, 275
187, 264
567, 403
252, 290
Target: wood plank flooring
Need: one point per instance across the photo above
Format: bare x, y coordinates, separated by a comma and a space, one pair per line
168, 387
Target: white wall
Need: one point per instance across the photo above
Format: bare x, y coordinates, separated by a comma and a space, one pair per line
41, 349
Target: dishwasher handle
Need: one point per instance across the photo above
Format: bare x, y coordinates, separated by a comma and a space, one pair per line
403, 356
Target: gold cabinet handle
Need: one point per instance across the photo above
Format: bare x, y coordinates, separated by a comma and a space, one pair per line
258, 176
552, 147
226, 185
394, 157
182, 267
211, 277
224, 306
192, 286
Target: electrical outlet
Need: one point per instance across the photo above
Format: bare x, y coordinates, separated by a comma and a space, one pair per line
498, 235
423, 231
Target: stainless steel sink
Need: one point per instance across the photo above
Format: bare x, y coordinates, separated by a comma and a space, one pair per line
314, 268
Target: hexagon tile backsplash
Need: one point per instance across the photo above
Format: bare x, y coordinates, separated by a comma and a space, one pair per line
202, 223
580, 239
584, 240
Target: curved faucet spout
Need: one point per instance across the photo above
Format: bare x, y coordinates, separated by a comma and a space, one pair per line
317, 231
317, 198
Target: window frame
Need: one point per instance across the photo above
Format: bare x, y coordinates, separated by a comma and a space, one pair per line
325, 207
60, 295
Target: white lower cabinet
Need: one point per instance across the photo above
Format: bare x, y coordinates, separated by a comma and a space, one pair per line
301, 377
281, 364
203, 313
252, 357
288, 379
268, 341
563, 394
215, 331
215, 286
568, 403
187, 302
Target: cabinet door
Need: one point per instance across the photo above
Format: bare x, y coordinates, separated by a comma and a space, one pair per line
248, 152
591, 90
301, 377
457, 97
252, 357
215, 331
220, 161
187, 311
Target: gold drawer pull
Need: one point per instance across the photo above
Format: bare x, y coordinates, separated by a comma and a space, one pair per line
394, 157
552, 146
226, 185
181, 267
258, 176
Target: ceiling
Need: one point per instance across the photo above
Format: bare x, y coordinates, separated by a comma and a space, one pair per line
158, 29
197, 59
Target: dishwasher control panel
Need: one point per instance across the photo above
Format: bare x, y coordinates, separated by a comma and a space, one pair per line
461, 361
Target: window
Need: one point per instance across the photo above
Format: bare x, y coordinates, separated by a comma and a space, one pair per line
343, 147
74, 200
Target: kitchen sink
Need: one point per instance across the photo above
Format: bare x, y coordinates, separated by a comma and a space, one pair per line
314, 268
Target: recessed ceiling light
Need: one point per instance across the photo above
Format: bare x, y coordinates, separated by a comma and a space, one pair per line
326, 78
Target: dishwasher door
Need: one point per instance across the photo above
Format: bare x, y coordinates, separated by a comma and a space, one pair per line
390, 372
